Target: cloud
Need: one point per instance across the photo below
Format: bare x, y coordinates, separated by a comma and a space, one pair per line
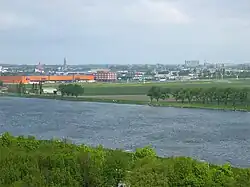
9, 20
162, 12
86, 11
96, 11
135, 30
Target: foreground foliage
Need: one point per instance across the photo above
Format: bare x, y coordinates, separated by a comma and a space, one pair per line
29, 162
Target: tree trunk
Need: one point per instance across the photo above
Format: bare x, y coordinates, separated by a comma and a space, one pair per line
203, 100
234, 105
151, 99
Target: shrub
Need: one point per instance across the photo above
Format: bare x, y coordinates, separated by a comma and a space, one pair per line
54, 163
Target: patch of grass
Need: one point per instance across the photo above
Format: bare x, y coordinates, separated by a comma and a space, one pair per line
122, 97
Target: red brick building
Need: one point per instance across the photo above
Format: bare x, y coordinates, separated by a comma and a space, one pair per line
106, 76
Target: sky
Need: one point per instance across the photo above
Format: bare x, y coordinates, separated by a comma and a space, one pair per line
124, 31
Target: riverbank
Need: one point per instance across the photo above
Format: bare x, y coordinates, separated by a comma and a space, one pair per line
137, 101
31, 162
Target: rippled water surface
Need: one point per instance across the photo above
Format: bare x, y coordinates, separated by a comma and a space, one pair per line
216, 136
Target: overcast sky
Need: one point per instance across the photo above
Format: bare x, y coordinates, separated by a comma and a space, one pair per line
124, 31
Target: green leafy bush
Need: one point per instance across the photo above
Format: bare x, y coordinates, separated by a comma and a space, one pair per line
53, 163
71, 89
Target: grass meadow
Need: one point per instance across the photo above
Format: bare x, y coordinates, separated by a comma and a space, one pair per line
142, 88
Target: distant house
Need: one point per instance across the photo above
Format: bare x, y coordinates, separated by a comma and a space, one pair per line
49, 90
3, 89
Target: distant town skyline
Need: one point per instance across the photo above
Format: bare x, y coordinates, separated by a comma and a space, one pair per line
124, 32
181, 63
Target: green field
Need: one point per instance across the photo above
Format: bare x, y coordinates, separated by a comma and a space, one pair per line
142, 88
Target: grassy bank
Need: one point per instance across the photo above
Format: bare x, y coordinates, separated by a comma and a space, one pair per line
142, 88
136, 99
54, 163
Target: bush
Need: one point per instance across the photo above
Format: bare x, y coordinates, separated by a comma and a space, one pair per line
71, 89
55, 163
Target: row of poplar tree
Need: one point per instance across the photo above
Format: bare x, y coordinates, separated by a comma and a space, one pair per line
212, 95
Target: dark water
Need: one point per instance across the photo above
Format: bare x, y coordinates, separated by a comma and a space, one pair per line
215, 136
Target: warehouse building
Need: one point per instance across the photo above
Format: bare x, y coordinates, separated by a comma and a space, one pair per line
46, 79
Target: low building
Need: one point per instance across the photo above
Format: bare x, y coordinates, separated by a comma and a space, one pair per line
192, 63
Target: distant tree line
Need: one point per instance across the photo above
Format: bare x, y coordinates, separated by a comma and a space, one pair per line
37, 88
21, 88
71, 89
212, 95
65, 89
17, 88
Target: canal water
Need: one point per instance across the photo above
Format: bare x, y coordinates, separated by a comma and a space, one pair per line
215, 136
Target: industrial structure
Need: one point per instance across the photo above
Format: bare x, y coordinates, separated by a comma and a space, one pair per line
65, 64
47, 79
